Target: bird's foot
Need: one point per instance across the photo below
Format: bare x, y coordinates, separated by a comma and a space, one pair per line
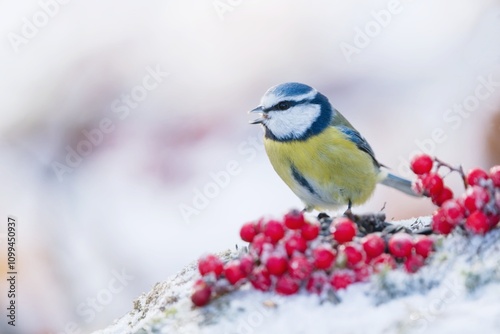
322, 215
348, 213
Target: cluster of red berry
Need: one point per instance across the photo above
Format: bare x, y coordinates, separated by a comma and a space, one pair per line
289, 254
477, 209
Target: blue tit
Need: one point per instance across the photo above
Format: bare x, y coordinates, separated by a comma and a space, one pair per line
317, 152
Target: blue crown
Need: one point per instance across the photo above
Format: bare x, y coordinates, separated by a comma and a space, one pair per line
290, 89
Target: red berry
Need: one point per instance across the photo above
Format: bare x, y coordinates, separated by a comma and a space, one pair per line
233, 272
259, 243
294, 220
323, 257
421, 164
477, 223
362, 273
443, 196
423, 245
210, 264
260, 279
295, 243
299, 267
495, 175
383, 262
493, 220
354, 254
453, 212
440, 223
201, 293
341, 279
343, 230
433, 184
400, 245
286, 285
246, 264
475, 176
274, 230
248, 231
413, 263
276, 265
373, 245
475, 198
310, 231
317, 282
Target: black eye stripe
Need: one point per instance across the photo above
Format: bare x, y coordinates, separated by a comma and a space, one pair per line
283, 105
290, 104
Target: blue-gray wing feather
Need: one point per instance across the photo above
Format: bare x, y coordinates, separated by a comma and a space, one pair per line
360, 142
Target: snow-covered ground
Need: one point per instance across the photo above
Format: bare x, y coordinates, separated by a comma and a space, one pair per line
456, 292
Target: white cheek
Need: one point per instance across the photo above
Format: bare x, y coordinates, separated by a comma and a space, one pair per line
293, 122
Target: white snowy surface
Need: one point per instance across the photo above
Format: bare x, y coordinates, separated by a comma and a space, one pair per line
456, 292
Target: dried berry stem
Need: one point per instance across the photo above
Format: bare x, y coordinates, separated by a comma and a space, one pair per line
458, 169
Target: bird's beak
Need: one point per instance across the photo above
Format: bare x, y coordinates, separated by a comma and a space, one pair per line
260, 119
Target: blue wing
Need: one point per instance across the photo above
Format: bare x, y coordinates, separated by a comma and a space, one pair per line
360, 142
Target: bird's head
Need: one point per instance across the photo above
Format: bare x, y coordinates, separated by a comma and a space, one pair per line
293, 111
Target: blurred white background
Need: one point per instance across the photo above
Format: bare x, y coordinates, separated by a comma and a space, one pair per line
120, 210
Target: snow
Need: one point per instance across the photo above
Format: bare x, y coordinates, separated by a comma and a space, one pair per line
456, 292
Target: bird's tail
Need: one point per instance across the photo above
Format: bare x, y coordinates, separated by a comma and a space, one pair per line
398, 183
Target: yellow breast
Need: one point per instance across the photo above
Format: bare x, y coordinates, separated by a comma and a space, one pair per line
332, 168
